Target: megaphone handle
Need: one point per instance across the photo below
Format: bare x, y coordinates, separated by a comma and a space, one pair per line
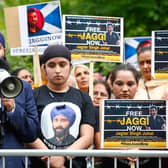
2, 119
2, 133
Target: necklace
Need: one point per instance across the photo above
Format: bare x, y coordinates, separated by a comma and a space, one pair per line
58, 95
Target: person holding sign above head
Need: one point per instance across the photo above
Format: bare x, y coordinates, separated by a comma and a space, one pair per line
149, 88
56, 102
124, 83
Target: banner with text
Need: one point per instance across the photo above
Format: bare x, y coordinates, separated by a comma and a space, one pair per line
34, 24
160, 54
134, 124
94, 37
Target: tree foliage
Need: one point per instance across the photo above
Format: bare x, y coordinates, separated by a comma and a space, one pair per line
140, 18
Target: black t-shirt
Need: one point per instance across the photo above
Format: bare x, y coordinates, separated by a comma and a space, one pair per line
75, 99
97, 125
81, 111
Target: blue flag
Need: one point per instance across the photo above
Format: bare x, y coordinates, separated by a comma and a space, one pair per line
130, 54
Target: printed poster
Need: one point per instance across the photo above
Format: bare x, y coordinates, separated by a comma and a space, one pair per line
60, 123
94, 37
34, 24
134, 124
160, 54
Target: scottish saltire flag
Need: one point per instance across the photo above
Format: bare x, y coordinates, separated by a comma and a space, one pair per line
51, 16
130, 55
41, 23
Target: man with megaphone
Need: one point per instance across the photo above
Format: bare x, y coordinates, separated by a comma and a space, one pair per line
18, 115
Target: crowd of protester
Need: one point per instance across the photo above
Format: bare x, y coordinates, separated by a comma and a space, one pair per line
37, 116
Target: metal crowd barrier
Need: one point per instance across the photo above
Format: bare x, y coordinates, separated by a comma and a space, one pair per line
89, 153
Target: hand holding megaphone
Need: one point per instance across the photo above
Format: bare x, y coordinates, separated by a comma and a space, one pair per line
9, 104
10, 86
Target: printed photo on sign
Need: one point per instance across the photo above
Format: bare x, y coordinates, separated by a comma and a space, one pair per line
60, 124
35, 21
130, 46
160, 54
94, 37
134, 123
40, 24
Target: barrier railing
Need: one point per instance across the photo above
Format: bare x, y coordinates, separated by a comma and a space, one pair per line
89, 153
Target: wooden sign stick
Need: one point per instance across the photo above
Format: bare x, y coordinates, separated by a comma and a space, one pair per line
91, 75
36, 68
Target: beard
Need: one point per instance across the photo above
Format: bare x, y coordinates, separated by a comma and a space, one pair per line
33, 24
64, 132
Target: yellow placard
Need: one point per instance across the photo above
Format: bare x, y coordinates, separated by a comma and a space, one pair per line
133, 144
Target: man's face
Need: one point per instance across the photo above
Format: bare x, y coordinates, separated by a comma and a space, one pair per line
61, 125
2, 51
57, 71
109, 28
25, 75
32, 18
153, 112
99, 93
